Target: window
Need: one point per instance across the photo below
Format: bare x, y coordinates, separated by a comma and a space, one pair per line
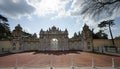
89, 47
2, 49
20, 46
14, 46
88, 43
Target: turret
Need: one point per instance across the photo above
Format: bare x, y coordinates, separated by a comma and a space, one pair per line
75, 34
41, 33
66, 31
35, 35
17, 32
87, 38
53, 28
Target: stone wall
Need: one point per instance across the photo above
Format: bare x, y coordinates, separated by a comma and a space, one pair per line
75, 44
22, 46
4, 47
7, 46
99, 44
105, 42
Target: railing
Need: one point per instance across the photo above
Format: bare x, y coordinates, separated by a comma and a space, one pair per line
72, 65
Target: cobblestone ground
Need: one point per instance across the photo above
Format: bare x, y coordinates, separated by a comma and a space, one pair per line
57, 59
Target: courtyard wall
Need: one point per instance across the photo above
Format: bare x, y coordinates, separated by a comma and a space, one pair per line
105, 42
4, 46
99, 44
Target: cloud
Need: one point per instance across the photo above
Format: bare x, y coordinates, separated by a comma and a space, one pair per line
16, 8
19, 8
86, 10
46, 7
61, 14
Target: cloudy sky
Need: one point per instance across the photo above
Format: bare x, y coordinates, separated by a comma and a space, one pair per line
33, 15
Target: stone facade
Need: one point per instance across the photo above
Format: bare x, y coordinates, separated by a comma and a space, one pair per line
87, 39
20, 42
83, 41
99, 45
75, 43
51, 39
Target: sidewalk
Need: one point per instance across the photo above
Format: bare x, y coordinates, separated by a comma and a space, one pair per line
115, 54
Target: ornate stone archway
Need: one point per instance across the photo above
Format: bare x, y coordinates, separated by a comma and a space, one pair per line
53, 39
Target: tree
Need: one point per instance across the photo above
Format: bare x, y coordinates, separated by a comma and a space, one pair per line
27, 34
99, 9
4, 19
118, 37
108, 23
100, 35
4, 28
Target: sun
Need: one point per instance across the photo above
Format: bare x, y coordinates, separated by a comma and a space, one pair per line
50, 4
44, 7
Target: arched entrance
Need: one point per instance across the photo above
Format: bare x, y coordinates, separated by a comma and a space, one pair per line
53, 39
54, 44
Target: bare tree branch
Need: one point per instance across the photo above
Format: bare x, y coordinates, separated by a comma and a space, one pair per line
98, 9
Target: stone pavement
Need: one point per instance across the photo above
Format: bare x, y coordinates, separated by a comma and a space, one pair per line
115, 54
62, 68
58, 60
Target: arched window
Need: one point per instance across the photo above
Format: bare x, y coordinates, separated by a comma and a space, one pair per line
14, 46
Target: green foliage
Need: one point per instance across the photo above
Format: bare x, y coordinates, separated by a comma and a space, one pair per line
100, 35
106, 23
27, 34
4, 19
118, 37
4, 28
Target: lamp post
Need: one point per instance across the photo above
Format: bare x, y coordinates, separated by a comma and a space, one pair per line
16, 64
93, 66
72, 64
51, 62
113, 63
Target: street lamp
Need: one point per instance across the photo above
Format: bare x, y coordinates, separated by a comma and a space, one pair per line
51, 62
93, 66
113, 63
16, 64
72, 64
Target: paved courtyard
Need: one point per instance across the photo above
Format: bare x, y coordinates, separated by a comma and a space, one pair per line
57, 59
